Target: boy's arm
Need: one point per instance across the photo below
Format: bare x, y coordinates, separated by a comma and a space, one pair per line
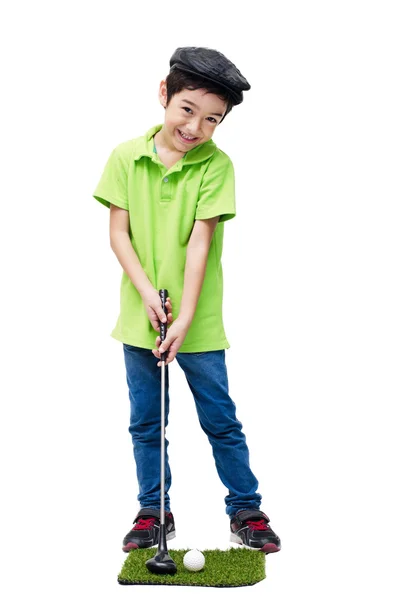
196, 263
121, 245
195, 266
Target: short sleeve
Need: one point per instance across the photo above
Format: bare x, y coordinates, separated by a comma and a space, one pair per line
113, 184
217, 191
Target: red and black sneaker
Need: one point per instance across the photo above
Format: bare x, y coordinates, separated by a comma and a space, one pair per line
250, 528
145, 533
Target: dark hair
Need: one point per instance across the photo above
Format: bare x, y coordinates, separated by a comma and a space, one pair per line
178, 80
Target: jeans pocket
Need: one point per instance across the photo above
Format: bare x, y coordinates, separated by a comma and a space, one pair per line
128, 347
134, 348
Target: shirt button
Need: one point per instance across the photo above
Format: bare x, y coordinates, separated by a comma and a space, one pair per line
165, 179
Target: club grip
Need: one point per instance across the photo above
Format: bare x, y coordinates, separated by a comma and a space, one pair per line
163, 326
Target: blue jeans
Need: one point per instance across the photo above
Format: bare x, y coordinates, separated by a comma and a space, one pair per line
207, 378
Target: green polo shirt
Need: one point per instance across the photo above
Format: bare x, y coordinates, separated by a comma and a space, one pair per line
163, 205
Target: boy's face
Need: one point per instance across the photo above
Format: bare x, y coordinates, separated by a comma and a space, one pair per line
190, 117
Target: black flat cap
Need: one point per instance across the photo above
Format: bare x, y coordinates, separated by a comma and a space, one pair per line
211, 65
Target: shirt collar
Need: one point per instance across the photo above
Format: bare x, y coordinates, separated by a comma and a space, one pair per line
145, 145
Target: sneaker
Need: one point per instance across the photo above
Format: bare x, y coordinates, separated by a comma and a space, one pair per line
145, 533
250, 528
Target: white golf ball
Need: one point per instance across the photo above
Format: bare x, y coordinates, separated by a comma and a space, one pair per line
194, 560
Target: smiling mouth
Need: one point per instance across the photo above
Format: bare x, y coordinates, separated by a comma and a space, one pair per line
186, 138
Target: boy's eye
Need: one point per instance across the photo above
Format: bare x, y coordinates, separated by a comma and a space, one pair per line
211, 119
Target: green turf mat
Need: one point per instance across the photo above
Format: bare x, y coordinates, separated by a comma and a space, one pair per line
223, 568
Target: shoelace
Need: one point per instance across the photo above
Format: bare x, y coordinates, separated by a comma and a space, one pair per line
145, 523
258, 524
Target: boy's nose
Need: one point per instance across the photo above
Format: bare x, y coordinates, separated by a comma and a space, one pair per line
193, 129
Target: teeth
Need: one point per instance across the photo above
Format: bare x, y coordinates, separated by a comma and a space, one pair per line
185, 136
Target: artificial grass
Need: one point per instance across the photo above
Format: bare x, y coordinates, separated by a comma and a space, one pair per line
223, 568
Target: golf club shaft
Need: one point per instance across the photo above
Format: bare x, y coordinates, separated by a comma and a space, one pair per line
163, 333
162, 563
162, 518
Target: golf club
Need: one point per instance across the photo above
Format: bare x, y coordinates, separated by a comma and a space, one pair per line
162, 563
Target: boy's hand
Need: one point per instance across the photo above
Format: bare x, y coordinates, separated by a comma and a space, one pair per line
173, 341
152, 302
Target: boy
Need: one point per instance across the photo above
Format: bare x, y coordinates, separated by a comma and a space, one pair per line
169, 193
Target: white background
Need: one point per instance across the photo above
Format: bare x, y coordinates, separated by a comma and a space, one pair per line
310, 292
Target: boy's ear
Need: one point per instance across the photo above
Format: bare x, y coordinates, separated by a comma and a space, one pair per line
163, 93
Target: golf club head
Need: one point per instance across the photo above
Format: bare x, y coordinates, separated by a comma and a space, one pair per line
162, 564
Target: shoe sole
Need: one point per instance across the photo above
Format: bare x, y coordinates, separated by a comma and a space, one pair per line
131, 546
268, 548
